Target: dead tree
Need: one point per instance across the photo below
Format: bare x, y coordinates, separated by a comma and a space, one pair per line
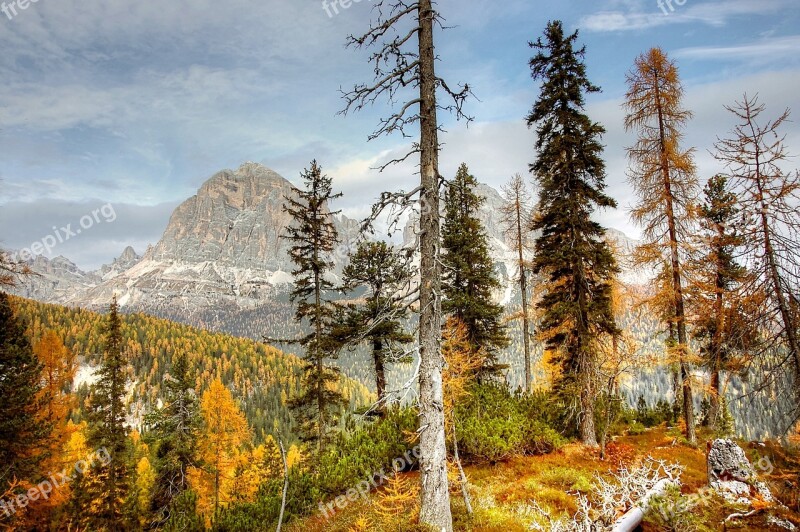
403, 59
517, 218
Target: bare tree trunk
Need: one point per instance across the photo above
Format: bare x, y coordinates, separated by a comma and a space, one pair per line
777, 285
523, 289
285, 486
461, 475
435, 495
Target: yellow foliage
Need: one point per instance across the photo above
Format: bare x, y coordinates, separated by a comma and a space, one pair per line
462, 363
398, 495
362, 524
145, 478
224, 432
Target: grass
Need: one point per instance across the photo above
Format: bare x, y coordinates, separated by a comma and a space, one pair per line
502, 493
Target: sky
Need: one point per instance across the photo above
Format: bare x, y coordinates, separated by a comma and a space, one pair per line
123, 107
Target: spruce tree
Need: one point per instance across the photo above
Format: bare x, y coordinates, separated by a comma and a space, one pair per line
313, 237
468, 277
384, 272
21, 430
108, 485
570, 252
721, 324
174, 427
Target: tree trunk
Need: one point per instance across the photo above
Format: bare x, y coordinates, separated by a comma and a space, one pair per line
587, 426
461, 475
435, 495
380, 369
680, 313
523, 289
285, 486
777, 285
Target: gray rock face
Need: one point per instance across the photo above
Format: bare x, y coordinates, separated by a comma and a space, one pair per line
56, 280
222, 249
730, 472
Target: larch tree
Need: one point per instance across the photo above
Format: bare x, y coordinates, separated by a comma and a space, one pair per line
720, 324
386, 275
663, 176
21, 430
755, 157
313, 238
464, 363
517, 219
468, 277
108, 486
402, 38
56, 403
571, 253
223, 431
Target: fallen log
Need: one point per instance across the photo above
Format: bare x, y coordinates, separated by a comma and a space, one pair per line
634, 517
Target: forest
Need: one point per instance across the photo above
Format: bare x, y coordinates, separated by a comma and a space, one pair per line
160, 426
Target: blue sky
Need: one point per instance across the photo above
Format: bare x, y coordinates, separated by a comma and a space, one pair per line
138, 103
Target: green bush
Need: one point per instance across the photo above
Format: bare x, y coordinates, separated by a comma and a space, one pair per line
494, 425
636, 429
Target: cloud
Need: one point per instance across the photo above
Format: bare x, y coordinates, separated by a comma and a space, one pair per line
772, 50
112, 229
674, 12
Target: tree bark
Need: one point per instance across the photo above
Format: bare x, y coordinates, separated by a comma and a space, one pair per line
380, 369
523, 289
680, 312
285, 486
435, 495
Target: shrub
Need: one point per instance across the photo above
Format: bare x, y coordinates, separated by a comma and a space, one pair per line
636, 429
494, 424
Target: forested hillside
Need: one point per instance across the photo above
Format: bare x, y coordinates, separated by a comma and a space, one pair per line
260, 377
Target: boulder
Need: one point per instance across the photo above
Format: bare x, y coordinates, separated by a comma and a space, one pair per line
732, 475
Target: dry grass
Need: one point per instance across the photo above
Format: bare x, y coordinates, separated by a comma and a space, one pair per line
502, 492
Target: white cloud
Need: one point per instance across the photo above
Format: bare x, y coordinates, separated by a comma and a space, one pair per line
669, 12
771, 49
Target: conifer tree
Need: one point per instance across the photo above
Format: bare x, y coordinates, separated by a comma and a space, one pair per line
175, 427
663, 176
468, 277
405, 73
755, 155
21, 430
720, 326
384, 272
517, 219
571, 252
108, 485
313, 238
224, 430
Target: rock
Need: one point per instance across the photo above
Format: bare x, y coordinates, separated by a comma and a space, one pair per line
731, 474
780, 523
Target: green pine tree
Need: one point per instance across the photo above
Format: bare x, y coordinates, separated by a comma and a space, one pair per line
468, 271
722, 327
384, 272
174, 427
20, 431
570, 252
314, 237
108, 486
